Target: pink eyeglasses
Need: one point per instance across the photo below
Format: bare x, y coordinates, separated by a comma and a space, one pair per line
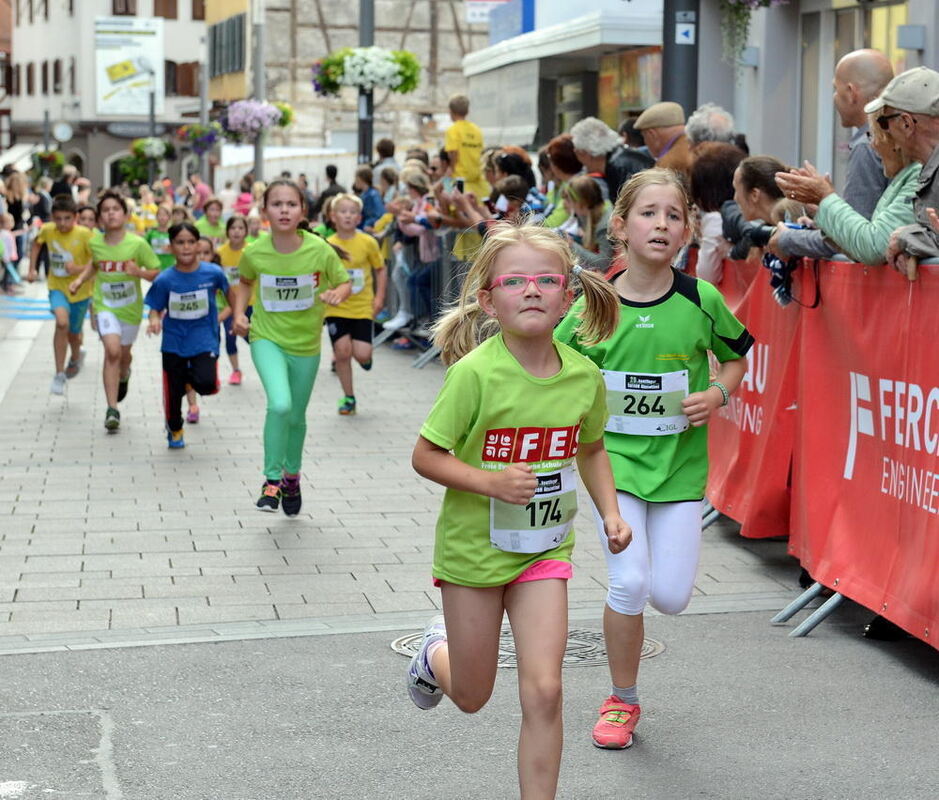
516, 282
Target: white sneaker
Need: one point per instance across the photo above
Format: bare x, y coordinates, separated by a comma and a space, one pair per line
58, 383
422, 686
399, 320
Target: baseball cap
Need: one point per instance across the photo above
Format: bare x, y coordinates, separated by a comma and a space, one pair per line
660, 115
915, 91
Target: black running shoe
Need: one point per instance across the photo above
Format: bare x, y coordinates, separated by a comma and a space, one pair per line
122, 387
366, 365
270, 496
290, 497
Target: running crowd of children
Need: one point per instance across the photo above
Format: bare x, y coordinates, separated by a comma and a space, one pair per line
556, 361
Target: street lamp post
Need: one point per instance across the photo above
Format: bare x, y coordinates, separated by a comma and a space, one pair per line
151, 163
366, 99
258, 58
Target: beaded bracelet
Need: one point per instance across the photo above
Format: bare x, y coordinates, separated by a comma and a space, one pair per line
723, 389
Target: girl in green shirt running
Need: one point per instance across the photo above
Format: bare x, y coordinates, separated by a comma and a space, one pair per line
514, 414
295, 275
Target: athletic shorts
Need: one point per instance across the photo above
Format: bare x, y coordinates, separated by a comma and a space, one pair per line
109, 324
359, 329
540, 571
76, 311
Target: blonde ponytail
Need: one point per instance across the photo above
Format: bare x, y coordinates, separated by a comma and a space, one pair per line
600, 316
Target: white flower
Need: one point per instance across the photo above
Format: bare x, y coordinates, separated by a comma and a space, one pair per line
370, 68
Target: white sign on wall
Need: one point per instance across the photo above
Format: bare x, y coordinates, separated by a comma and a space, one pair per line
128, 65
477, 11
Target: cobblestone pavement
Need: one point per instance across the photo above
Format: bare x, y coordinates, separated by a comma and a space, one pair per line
110, 540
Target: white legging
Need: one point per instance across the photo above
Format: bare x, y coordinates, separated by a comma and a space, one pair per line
660, 564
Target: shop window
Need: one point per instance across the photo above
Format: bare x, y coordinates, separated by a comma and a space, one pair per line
164, 8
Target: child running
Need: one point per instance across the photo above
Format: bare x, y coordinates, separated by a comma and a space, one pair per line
119, 260
298, 275
350, 323
210, 224
187, 294
661, 396
236, 231
159, 238
513, 414
69, 254
88, 217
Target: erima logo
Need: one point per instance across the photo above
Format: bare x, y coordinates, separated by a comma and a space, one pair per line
644, 322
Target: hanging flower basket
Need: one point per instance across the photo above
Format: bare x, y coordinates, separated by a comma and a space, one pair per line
286, 113
199, 138
244, 120
49, 161
152, 148
366, 68
735, 24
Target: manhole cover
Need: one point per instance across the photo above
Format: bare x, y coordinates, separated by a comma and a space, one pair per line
584, 648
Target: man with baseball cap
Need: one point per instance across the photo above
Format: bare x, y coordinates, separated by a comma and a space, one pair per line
909, 109
663, 130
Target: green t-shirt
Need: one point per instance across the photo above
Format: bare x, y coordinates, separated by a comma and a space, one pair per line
491, 413
656, 347
215, 232
287, 307
159, 242
115, 290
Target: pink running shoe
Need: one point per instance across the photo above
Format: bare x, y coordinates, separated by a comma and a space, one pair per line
192, 417
235, 378
614, 729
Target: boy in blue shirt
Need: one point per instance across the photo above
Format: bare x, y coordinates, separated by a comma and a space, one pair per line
186, 293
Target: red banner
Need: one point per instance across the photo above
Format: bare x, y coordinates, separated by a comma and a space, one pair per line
865, 506
750, 440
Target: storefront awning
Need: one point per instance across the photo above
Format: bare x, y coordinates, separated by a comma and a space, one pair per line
593, 33
20, 156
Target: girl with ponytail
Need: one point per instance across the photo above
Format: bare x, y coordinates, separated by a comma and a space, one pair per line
515, 412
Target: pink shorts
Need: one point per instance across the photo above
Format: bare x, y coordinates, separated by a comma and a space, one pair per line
540, 571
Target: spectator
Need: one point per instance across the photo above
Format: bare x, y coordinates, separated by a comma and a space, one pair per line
663, 130
332, 188
864, 241
599, 149
372, 205
228, 195
464, 146
388, 184
420, 221
909, 110
593, 213
16, 193
42, 204
244, 201
709, 123
859, 78
66, 182
712, 185
199, 192
386, 155
564, 166
755, 197
439, 167
632, 139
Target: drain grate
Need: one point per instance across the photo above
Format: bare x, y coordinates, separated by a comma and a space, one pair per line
584, 648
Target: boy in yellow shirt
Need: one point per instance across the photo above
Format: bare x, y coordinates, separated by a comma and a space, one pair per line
69, 254
349, 324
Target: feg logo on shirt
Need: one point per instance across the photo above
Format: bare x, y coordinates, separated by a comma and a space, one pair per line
112, 266
530, 445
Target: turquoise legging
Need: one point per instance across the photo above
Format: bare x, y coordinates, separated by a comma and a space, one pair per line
288, 384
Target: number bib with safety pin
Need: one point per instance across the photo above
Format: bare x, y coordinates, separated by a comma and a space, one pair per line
233, 275
542, 524
118, 294
358, 279
645, 404
288, 292
188, 305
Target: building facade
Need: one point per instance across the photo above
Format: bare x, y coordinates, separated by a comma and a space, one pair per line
296, 34
71, 66
604, 59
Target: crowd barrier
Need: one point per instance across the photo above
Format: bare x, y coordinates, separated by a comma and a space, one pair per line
833, 437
